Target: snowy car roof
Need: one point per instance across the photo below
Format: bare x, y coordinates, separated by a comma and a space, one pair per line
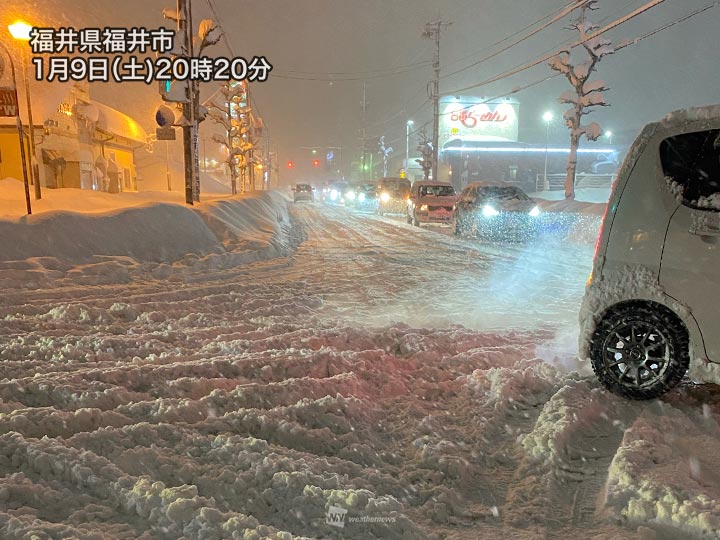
692, 114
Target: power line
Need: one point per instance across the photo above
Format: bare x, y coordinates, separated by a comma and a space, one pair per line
545, 58
555, 18
503, 40
629, 42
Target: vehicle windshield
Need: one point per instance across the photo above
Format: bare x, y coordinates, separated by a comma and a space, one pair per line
501, 193
303, 187
437, 191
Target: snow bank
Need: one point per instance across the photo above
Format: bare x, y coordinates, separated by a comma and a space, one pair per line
573, 207
665, 471
154, 237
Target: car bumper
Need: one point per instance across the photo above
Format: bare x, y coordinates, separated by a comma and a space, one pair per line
430, 217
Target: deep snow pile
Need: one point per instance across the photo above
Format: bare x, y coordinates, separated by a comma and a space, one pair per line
155, 238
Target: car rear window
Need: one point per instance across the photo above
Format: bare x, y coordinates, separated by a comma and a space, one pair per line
691, 164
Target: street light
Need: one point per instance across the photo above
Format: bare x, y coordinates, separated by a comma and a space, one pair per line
407, 143
547, 117
609, 135
20, 30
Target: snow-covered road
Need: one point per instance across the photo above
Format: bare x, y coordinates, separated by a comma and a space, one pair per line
416, 381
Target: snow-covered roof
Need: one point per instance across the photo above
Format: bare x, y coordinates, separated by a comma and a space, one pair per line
692, 114
113, 121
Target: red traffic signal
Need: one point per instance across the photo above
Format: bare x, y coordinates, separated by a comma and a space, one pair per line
290, 164
316, 162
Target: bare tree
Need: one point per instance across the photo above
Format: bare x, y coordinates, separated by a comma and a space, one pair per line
385, 152
228, 114
425, 147
586, 94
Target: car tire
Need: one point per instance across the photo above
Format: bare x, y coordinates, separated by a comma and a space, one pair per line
651, 369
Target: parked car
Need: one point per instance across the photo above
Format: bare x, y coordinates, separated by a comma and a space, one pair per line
393, 194
431, 202
363, 196
303, 192
650, 309
495, 211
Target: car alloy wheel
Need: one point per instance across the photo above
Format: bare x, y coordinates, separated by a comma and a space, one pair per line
639, 352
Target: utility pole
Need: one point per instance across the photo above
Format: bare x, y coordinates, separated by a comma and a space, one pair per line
167, 165
432, 31
188, 107
267, 168
364, 105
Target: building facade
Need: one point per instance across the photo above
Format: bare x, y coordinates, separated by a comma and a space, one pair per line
79, 143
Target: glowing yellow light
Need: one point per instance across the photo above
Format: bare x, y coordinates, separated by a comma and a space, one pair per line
20, 30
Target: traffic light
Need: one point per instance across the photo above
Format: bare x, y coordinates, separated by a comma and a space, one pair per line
173, 91
290, 165
316, 162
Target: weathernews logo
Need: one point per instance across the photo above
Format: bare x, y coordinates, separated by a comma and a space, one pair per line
336, 516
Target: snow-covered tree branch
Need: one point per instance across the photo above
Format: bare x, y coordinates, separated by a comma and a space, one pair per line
585, 94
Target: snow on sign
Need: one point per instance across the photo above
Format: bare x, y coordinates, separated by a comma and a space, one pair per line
165, 133
8, 101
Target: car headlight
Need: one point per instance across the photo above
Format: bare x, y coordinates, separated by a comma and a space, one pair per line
384, 196
489, 211
334, 194
361, 197
423, 208
350, 195
535, 212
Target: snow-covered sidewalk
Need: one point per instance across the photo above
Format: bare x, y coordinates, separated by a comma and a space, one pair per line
410, 384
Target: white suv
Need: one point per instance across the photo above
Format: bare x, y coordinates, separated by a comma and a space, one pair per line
652, 304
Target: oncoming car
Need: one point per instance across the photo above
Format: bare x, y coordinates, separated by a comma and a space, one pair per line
335, 192
303, 192
431, 202
364, 196
650, 310
393, 194
496, 211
